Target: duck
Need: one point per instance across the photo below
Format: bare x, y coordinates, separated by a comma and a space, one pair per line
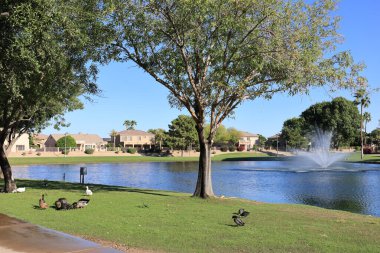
81, 203
238, 221
88, 191
18, 190
243, 213
42, 203
61, 204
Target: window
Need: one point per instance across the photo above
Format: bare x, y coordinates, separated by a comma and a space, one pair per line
129, 138
20, 147
140, 138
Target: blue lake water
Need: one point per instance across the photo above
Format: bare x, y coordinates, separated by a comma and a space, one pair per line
344, 186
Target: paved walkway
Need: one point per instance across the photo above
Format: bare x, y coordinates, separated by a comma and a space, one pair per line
18, 236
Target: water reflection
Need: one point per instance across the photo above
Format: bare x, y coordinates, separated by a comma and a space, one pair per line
350, 187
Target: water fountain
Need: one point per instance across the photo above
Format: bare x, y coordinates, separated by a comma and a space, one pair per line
320, 150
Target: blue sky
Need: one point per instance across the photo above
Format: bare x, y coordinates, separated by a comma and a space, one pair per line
129, 93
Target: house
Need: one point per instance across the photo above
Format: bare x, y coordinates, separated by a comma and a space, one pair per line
134, 138
83, 141
21, 144
247, 141
39, 140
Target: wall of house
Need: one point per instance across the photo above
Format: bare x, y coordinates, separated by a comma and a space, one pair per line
21, 145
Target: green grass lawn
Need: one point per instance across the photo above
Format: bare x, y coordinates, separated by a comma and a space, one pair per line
175, 222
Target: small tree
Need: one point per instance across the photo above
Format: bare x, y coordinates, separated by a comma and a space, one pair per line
66, 142
113, 135
262, 140
159, 136
362, 99
182, 133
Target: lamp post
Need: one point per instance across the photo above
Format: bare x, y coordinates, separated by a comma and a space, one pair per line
65, 145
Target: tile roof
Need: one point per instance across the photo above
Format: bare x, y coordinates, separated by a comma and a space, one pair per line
135, 133
246, 134
81, 138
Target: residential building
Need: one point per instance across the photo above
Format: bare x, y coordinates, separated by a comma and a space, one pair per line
39, 140
134, 138
247, 141
83, 141
21, 144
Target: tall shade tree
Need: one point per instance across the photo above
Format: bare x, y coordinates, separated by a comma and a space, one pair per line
130, 124
362, 99
340, 116
212, 55
46, 49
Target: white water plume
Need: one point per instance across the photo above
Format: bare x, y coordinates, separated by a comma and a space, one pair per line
320, 150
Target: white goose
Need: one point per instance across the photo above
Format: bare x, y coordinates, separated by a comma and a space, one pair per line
88, 191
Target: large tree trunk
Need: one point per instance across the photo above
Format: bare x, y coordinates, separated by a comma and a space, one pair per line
9, 183
204, 184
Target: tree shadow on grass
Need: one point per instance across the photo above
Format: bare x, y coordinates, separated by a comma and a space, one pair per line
58, 185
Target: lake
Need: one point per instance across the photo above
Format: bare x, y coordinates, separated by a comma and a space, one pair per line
352, 187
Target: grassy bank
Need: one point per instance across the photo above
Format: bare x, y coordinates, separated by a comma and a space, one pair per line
175, 222
126, 159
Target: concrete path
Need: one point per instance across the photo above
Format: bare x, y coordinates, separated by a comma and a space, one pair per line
17, 236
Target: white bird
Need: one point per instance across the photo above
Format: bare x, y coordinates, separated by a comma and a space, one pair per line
88, 191
22, 189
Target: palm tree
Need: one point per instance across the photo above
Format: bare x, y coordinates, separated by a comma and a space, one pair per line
130, 124
367, 118
362, 99
113, 135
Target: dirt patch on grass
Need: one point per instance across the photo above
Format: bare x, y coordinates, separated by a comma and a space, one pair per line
119, 246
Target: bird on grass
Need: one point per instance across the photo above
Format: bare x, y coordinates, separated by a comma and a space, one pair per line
42, 203
243, 213
238, 221
88, 191
81, 203
18, 190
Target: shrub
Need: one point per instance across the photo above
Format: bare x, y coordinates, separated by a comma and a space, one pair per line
367, 150
232, 148
39, 154
89, 151
65, 152
224, 148
240, 148
23, 154
131, 150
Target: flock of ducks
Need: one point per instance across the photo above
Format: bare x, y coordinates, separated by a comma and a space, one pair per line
62, 204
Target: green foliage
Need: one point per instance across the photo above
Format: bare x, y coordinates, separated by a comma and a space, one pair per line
233, 135
131, 150
89, 151
224, 148
66, 142
340, 116
293, 132
160, 137
130, 124
232, 148
262, 140
182, 133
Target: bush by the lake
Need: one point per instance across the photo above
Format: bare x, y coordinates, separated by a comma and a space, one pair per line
65, 151
131, 150
232, 148
224, 149
89, 151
